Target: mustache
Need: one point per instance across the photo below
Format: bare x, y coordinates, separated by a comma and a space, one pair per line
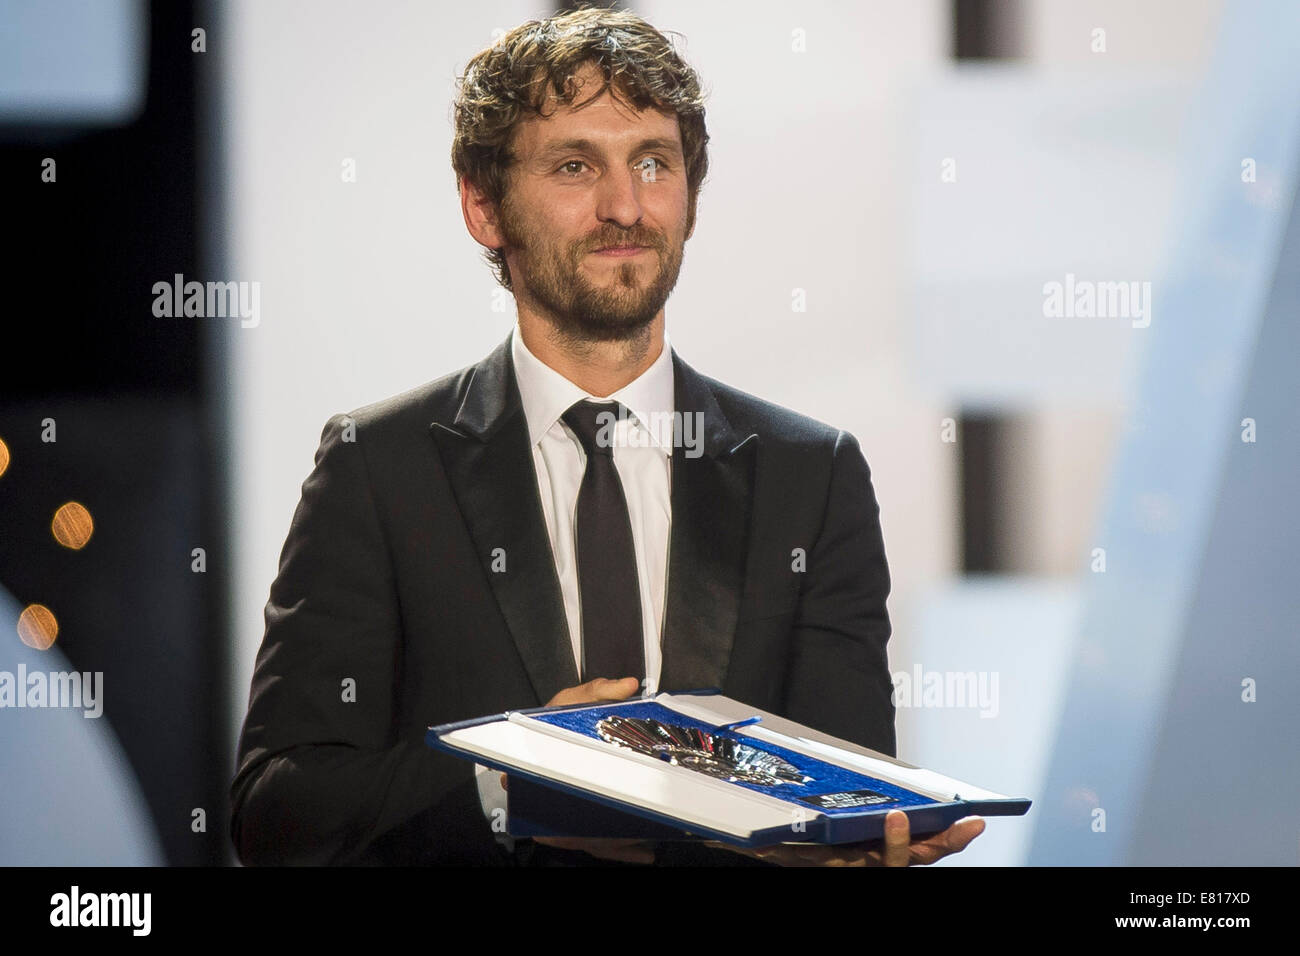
639, 239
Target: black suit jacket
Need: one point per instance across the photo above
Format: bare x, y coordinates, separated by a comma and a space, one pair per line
386, 595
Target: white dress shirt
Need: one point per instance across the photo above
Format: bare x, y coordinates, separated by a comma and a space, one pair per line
643, 460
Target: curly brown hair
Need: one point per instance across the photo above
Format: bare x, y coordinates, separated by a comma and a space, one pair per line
510, 81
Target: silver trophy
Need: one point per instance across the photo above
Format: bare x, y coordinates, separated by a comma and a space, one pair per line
714, 754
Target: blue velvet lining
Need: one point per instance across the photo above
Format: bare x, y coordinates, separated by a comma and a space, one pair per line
827, 777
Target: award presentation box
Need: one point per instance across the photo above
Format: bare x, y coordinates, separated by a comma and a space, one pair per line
701, 765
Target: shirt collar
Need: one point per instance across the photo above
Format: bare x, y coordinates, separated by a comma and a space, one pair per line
546, 394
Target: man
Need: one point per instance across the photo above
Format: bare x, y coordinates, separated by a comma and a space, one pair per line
577, 517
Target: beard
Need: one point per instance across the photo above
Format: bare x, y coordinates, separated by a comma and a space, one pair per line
618, 307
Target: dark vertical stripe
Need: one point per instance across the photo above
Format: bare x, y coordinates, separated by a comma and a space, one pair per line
983, 30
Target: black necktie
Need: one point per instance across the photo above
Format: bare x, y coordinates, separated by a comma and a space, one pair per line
612, 641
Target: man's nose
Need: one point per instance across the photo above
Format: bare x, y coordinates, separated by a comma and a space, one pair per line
619, 198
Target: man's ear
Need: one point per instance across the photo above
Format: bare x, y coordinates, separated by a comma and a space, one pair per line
481, 215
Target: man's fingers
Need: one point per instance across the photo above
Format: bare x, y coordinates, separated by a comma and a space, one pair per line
798, 854
634, 851
962, 832
952, 840
596, 690
621, 689
898, 851
625, 851
897, 848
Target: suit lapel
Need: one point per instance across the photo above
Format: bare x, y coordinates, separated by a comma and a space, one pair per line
488, 461
712, 490
486, 455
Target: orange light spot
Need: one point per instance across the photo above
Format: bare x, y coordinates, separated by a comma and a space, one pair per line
72, 526
4, 456
37, 627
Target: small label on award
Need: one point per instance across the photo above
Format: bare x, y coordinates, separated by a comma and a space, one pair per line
848, 799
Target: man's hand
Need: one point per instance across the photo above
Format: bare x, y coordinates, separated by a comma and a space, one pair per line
897, 849
628, 851
594, 691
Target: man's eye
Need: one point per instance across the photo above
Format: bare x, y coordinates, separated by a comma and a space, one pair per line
648, 166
